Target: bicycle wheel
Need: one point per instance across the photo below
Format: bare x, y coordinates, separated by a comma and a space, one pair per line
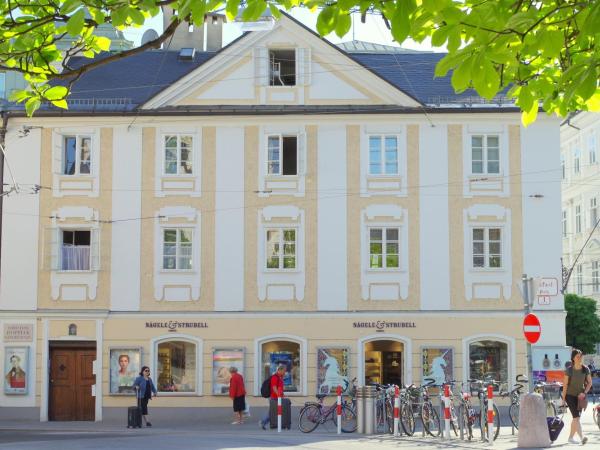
484, 426
379, 417
430, 419
407, 419
466, 422
513, 413
349, 422
453, 419
309, 419
389, 416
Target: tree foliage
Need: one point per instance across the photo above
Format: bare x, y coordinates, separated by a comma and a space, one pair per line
543, 52
583, 324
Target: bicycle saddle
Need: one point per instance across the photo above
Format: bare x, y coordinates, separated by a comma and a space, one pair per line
321, 396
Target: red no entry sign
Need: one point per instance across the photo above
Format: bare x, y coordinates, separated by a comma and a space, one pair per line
532, 328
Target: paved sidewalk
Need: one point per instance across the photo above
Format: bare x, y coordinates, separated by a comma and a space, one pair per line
220, 434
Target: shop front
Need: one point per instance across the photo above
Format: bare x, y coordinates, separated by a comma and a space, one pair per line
89, 373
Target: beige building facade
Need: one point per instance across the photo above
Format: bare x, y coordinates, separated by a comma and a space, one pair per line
332, 222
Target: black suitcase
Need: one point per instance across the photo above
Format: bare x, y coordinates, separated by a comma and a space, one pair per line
134, 415
555, 426
286, 413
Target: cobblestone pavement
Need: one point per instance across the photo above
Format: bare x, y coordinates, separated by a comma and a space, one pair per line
100, 436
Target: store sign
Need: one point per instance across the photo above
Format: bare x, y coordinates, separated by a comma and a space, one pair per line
173, 325
18, 332
382, 325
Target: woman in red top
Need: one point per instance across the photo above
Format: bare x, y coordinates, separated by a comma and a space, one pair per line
237, 394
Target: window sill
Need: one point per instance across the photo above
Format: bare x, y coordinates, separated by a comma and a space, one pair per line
487, 270
271, 177
281, 271
175, 271
178, 394
387, 176
77, 175
174, 175
74, 271
385, 270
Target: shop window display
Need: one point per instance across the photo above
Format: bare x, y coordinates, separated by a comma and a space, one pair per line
274, 353
488, 360
176, 367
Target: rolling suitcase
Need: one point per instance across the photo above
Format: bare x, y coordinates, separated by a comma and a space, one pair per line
134, 415
286, 413
555, 426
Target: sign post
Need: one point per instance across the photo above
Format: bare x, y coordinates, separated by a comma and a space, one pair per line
526, 306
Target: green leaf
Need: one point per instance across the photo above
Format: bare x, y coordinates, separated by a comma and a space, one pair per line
32, 105
553, 42
69, 6
327, 20
439, 36
61, 104
254, 9
19, 96
275, 11
231, 9
589, 83
401, 22
137, 17
56, 93
344, 24
103, 43
76, 22
486, 80
461, 76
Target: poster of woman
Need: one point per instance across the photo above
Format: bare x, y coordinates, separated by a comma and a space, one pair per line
223, 359
332, 369
124, 368
16, 366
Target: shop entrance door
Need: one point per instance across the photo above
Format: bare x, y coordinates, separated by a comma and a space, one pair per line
383, 362
71, 380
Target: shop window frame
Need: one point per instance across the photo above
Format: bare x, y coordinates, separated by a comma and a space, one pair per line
303, 343
178, 337
510, 355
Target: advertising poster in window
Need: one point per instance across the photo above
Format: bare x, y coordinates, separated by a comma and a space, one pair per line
437, 363
549, 363
287, 359
223, 359
125, 365
16, 367
332, 369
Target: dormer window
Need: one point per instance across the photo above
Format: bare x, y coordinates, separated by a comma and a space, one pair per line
282, 67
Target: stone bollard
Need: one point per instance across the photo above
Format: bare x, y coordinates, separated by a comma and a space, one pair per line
533, 427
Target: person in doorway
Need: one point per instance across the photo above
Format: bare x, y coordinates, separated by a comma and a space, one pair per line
276, 391
145, 390
577, 384
237, 393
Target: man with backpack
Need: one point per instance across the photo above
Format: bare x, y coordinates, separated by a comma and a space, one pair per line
272, 387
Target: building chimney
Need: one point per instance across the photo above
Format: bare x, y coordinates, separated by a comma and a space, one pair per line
191, 36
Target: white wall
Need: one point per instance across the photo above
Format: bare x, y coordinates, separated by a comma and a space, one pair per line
20, 223
332, 242
229, 220
126, 203
433, 217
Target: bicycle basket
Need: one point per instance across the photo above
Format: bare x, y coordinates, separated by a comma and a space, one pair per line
552, 391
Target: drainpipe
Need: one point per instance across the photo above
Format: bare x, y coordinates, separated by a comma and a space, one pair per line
4, 118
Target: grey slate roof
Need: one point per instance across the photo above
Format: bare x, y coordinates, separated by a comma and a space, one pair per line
357, 46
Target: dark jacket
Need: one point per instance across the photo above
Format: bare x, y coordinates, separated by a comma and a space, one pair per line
141, 383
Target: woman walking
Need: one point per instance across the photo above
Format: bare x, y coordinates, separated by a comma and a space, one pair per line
237, 392
577, 384
145, 389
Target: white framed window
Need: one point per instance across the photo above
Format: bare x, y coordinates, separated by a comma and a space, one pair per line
384, 248
592, 147
579, 279
487, 247
76, 155
176, 367
75, 250
177, 248
178, 154
578, 219
383, 155
282, 155
576, 161
282, 67
281, 248
595, 276
593, 211
565, 229
485, 154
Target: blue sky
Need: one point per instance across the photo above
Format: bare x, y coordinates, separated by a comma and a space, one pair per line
373, 30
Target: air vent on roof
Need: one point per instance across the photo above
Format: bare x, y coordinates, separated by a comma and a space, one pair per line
187, 53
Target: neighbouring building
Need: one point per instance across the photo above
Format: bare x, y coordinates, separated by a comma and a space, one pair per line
279, 201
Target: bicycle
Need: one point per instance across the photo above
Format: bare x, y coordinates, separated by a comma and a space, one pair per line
415, 401
314, 414
515, 400
483, 408
545, 389
384, 408
467, 412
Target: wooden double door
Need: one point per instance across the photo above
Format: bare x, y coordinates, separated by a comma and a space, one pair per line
71, 380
